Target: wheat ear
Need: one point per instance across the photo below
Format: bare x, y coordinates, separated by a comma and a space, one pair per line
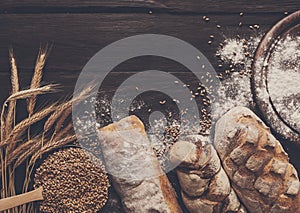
16, 153
56, 115
14, 89
23, 125
64, 110
23, 94
37, 77
51, 146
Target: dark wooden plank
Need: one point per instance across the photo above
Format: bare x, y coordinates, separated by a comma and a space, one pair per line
159, 6
77, 37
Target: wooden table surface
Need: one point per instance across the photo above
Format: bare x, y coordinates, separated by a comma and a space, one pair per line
78, 29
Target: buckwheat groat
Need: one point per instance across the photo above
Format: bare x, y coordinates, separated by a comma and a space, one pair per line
205, 186
256, 163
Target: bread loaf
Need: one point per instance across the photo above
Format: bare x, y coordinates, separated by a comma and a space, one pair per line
256, 163
205, 186
136, 173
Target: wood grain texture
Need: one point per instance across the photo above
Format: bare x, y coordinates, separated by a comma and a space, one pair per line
80, 28
77, 37
140, 6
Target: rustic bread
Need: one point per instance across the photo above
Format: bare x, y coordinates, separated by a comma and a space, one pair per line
205, 186
136, 173
256, 163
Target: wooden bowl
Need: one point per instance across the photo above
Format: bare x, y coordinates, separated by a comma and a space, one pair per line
281, 123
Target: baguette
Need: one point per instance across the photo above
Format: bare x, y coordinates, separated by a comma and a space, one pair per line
256, 163
136, 173
204, 184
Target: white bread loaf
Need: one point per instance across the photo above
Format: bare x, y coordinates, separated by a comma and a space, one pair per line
136, 173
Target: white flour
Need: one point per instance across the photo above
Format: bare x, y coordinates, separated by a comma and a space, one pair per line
235, 91
237, 54
284, 79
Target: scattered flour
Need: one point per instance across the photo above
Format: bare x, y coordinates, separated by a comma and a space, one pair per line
235, 91
284, 78
236, 54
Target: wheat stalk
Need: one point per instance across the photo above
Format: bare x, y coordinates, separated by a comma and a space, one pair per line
33, 92
64, 110
16, 153
57, 114
37, 77
51, 146
62, 133
14, 72
25, 155
15, 88
23, 125
63, 118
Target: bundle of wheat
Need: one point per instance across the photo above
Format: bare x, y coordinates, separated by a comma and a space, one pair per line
18, 145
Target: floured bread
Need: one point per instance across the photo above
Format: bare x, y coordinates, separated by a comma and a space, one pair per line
256, 163
135, 170
205, 185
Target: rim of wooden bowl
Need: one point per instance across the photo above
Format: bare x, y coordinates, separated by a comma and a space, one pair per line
259, 77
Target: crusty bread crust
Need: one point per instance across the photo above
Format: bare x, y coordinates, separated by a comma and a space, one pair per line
256, 163
204, 184
136, 172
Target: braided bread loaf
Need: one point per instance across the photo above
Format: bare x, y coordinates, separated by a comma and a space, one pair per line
256, 163
205, 185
